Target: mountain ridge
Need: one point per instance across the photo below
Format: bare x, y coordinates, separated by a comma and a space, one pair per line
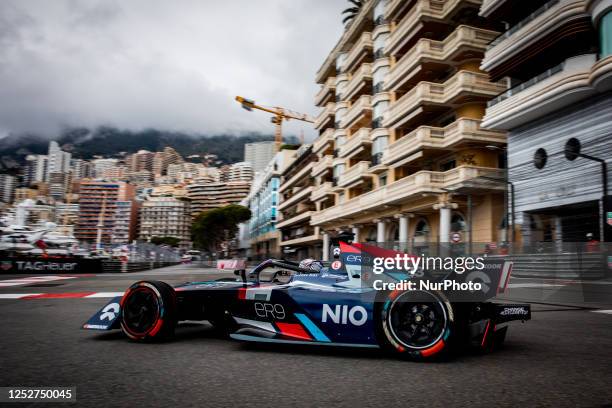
104, 141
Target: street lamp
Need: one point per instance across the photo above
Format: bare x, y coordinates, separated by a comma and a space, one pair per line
572, 152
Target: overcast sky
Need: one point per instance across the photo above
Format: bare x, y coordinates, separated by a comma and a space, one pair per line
173, 65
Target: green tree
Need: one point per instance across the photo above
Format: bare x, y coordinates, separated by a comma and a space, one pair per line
211, 228
172, 241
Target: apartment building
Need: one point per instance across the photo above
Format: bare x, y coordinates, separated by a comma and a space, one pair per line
402, 155
58, 160
556, 58
102, 165
106, 207
206, 194
260, 236
141, 160
299, 239
8, 184
166, 217
81, 169
35, 170
241, 171
161, 160
259, 154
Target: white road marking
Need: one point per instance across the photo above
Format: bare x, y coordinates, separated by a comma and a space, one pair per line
32, 280
99, 295
603, 311
533, 285
16, 295
105, 295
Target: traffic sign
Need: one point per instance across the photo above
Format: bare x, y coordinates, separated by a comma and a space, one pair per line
455, 237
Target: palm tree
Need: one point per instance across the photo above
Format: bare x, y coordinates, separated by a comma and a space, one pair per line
352, 12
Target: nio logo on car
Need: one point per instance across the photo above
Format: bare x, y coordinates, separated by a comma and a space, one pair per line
275, 311
110, 311
341, 314
509, 311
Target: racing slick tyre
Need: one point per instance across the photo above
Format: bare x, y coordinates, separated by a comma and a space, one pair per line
148, 311
416, 324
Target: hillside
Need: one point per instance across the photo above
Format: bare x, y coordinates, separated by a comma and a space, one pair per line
112, 142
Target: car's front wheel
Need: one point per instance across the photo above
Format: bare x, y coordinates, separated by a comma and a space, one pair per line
416, 324
148, 311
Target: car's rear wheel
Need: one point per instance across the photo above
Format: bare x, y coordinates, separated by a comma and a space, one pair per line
416, 324
148, 311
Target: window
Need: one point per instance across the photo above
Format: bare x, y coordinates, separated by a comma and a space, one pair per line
382, 180
457, 223
605, 35
449, 165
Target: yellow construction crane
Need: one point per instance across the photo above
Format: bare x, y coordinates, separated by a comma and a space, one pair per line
280, 114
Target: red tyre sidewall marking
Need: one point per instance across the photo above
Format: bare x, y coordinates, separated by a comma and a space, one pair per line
158, 320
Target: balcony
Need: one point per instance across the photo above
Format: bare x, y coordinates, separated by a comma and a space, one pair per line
301, 195
324, 164
324, 141
465, 42
326, 92
295, 219
303, 173
302, 240
463, 130
413, 20
489, 6
359, 50
575, 79
406, 189
358, 81
354, 175
551, 22
356, 144
326, 115
393, 8
461, 87
360, 113
321, 192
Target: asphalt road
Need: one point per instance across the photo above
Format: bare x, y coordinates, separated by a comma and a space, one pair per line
562, 357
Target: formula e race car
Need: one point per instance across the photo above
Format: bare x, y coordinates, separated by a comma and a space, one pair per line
281, 302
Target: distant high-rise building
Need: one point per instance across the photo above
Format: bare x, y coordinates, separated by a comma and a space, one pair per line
35, 170
102, 203
165, 217
162, 159
100, 165
115, 173
7, 187
141, 160
58, 184
126, 221
58, 160
81, 169
242, 171
206, 195
259, 154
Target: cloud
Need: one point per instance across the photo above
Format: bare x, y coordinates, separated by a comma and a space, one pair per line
172, 65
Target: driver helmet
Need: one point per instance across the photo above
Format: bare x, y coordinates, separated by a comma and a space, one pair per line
310, 263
